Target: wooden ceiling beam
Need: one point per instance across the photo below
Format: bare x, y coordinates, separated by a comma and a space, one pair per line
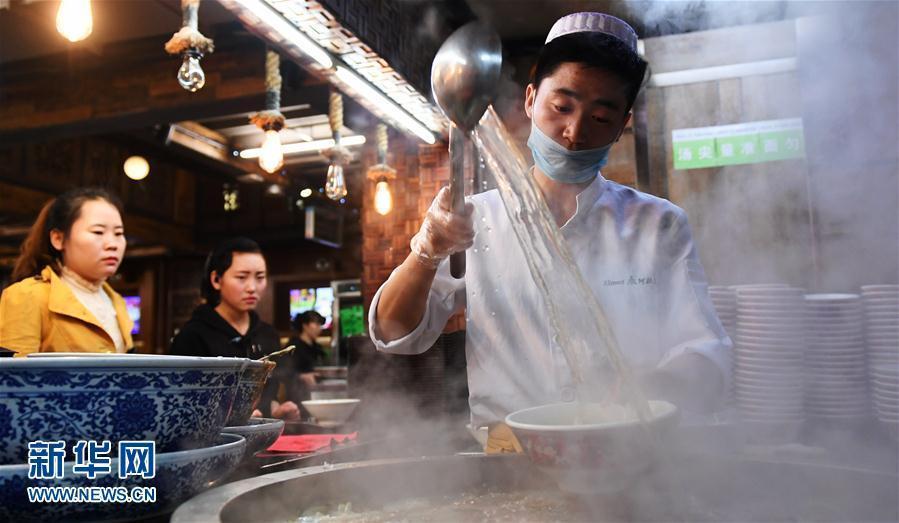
138, 90
25, 201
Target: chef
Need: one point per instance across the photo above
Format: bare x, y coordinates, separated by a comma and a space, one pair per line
635, 250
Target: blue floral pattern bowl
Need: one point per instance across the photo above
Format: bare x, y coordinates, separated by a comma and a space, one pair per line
260, 433
249, 390
177, 401
179, 476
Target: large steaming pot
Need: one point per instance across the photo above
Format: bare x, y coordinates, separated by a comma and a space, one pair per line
690, 488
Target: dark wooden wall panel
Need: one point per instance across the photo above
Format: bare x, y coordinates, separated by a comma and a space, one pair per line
796, 221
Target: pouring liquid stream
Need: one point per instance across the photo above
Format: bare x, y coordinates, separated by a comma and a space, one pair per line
598, 375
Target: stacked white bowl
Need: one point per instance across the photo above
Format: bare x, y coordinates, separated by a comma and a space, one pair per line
881, 312
835, 370
725, 302
769, 347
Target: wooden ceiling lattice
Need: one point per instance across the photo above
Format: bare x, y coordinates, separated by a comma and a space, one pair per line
319, 24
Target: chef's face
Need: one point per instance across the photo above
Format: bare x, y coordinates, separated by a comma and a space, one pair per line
579, 107
95, 245
243, 283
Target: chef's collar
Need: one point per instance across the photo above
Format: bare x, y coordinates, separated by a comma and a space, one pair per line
592, 192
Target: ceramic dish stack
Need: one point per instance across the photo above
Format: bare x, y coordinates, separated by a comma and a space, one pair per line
885, 385
725, 302
179, 403
881, 312
769, 346
835, 372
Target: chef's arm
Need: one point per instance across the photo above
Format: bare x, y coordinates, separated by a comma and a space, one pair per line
404, 299
690, 381
695, 371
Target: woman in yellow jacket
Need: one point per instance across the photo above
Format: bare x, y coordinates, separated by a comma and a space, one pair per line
61, 301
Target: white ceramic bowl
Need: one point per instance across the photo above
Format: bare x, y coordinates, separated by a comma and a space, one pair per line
605, 454
759, 332
791, 370
794, 361
333, 412
880, 288
769, 346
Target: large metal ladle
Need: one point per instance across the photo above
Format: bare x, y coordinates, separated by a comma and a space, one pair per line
464, 79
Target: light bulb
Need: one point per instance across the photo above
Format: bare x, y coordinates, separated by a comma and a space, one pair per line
74, 20
190, 75
136, 168
271, 158
231, 199
335, 185
383, 198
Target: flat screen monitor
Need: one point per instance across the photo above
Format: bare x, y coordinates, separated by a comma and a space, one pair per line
132, 305
319, 299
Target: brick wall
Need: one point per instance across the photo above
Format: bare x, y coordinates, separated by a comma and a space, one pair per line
421, 171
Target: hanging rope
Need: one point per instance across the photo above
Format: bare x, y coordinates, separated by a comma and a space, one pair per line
382, 143
271, 118
189, 37
338, 153
381, 169
335, 115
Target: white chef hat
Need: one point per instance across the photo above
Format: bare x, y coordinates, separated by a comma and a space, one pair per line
588, 22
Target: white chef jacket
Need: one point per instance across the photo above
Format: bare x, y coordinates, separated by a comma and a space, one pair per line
635, 251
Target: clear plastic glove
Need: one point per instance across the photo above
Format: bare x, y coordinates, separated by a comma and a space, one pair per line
443, 232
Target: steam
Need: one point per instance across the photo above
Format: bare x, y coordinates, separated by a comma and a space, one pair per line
827, 223
657, 17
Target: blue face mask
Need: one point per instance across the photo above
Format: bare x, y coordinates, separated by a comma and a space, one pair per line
563, 165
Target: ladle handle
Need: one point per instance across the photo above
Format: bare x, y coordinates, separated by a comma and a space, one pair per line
457, 190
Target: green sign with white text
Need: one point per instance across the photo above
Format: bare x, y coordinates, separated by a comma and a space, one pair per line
737, 144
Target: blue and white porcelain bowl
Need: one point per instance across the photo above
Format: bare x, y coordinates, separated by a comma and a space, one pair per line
260, 433
177, 401
179, 476
249, 390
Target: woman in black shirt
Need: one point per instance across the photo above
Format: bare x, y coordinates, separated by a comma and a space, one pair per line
227, 324
307, 326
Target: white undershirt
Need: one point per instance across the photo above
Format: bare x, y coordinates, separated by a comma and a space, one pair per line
95, 299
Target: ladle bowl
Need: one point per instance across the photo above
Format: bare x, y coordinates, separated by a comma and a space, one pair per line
465, 73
